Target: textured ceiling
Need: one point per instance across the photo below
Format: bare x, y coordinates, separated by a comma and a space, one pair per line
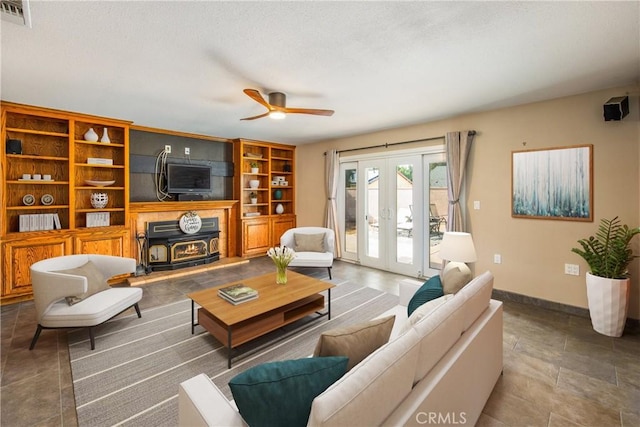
182, 65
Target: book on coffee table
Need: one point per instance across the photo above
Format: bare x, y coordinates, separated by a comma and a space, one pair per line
238, 293
237, 302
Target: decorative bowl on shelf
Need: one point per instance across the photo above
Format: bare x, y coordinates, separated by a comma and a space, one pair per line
99, 200
95, 183
254, 183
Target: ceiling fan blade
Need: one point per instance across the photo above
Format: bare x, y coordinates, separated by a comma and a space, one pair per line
313, 111
256, 117
255, 95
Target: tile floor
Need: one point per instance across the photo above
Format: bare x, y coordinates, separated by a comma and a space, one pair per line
557, 370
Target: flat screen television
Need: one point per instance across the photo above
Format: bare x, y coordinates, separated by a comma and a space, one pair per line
193, 179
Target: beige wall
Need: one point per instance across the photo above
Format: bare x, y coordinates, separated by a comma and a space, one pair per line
533, 251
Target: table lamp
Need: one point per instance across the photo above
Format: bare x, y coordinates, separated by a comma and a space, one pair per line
457, 248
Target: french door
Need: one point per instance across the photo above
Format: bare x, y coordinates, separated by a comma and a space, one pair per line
383, 219
390, 205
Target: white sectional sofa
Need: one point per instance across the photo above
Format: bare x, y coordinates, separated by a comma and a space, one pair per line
439, 371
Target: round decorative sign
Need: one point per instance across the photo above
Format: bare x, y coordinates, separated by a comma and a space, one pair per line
46, 199
190, 223
28, 199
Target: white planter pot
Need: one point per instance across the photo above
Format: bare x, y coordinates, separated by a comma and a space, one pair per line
608, 304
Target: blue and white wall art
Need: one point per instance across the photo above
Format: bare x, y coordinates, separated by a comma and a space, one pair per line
553, 183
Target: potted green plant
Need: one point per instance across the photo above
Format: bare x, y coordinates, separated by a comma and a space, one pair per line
608, 255
254, 167
253, 197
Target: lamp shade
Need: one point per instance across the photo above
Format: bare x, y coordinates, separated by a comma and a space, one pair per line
458, 247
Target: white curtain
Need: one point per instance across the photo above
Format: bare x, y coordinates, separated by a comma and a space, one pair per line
457, 146
332, 171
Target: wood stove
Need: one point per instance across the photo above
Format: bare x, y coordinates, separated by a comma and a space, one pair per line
170, 248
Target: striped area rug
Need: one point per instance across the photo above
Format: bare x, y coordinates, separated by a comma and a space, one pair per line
132, 376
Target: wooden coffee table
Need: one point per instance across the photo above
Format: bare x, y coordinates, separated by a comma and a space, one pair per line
276, 306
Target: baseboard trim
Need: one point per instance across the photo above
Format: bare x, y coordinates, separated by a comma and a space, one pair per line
501, 295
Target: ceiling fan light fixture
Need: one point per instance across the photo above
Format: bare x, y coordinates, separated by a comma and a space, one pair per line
277, 106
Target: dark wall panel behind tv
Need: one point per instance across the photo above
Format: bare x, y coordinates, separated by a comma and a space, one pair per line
144, 148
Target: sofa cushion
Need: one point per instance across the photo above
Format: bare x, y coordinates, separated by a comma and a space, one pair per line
431, 289
92, 310
355, 342
95, 281
424, 311
312, 259
373, 389
477, 294
280, 393
438, 332
309, 242
454, 279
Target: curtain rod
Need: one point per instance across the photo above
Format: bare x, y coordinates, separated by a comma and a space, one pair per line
387, 145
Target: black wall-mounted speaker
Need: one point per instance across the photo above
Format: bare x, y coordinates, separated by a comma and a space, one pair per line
14, 146
616, 108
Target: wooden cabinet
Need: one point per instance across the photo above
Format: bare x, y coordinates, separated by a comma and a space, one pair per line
53, 215
265, 187
111, 242
255, 236
18, 255
279, 225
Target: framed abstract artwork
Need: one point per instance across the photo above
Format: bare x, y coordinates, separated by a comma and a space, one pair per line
553, 183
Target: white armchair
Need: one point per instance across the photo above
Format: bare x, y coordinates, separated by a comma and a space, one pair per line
51, 286
312, 250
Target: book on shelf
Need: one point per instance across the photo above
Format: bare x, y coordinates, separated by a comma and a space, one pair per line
37, 222
98, 219
99, 161
56, 221
238, 293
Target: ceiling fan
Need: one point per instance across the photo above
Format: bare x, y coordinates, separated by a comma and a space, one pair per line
277, 106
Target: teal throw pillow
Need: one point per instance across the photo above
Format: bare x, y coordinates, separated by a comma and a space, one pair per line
431, 289
280, 393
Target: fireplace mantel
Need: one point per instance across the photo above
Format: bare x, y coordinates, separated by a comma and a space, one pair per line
225, 210
181, 206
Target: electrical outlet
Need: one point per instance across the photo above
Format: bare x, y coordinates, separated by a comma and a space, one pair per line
572, 269
187, 151
497, 259
167, 149
476, 204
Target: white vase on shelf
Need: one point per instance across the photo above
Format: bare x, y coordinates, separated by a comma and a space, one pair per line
91, 135
279, 208
105, 137
99, 200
